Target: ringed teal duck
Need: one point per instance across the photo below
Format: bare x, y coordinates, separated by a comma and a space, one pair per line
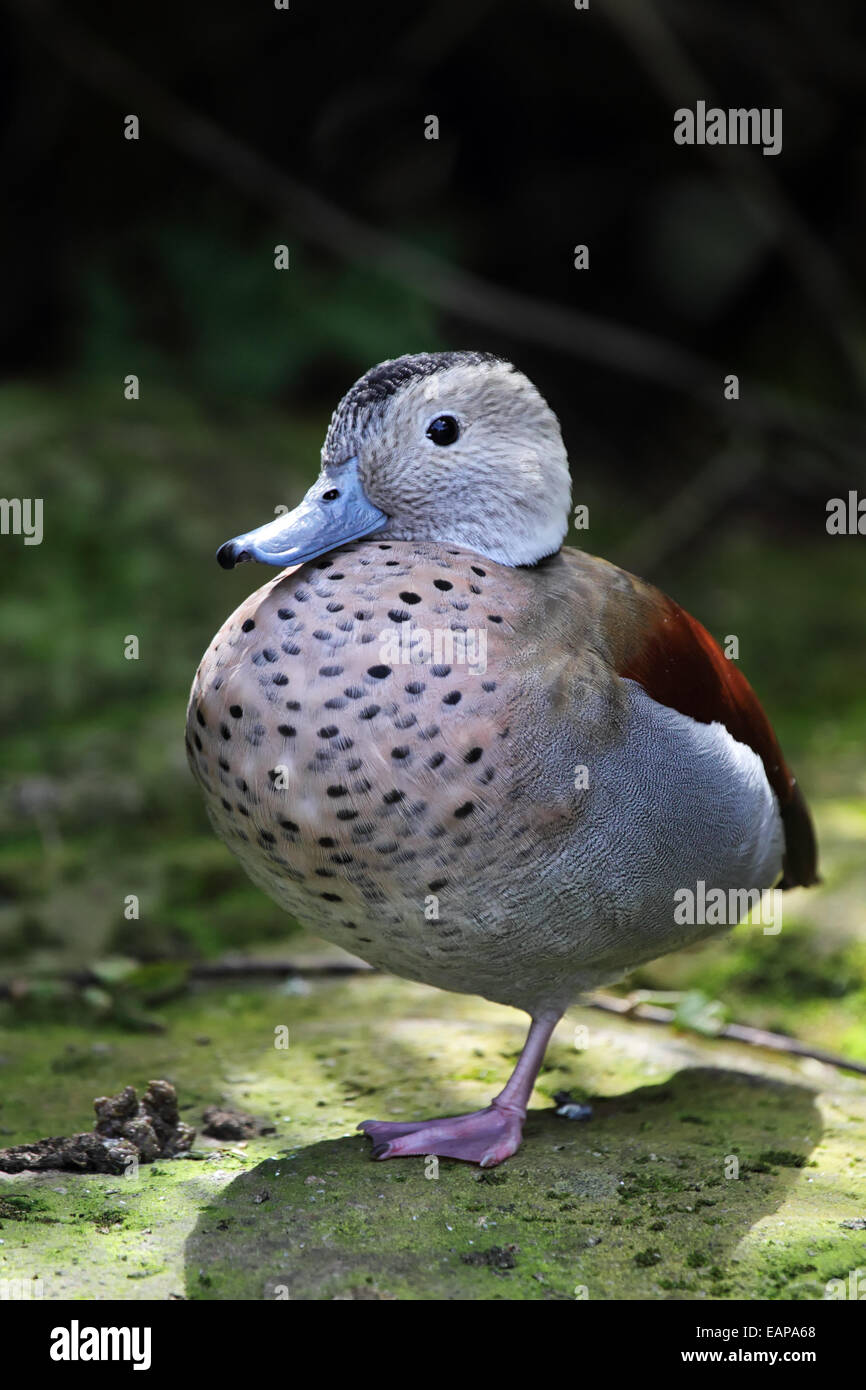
467, 754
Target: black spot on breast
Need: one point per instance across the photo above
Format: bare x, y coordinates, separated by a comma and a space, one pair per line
437, 760
337, 791
335, 607
329, 731
489, 686
330, 670
322, 636
287, 730
398, 615
291, 648
436, 884
331, 897
379, 673
400, 753
200, 717
280, 679
452, 698
197, 741
415, 688
443, 584
369, 712
285, 614
465, 810
476, 569
235, 711
409, 597
248, 625
225, 731
473, 755
291, 826
390, 798
493, 618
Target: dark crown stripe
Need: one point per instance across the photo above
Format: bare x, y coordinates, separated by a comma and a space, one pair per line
382, 382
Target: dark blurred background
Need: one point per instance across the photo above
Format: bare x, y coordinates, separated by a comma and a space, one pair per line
305, 127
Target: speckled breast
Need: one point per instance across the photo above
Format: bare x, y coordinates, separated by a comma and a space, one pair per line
350, 728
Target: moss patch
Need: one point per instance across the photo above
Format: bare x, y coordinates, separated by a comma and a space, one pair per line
638, 1202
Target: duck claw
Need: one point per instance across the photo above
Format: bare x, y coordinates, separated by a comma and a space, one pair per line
485, 1137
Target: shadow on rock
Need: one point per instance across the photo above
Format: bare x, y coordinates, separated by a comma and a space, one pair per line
649, 1199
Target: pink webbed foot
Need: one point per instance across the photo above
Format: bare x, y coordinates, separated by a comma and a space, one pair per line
484, 1136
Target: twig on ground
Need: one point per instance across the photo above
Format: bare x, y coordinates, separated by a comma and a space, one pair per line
632, 1006
735, 1032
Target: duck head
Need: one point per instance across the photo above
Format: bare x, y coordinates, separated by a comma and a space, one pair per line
457, 447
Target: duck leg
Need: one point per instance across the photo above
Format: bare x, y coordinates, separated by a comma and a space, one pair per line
486, 1136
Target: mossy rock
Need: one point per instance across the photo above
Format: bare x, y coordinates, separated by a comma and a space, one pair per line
638, 1202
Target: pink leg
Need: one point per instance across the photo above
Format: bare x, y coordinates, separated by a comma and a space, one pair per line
484, 1136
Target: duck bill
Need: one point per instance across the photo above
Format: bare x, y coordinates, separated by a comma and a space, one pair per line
335, 511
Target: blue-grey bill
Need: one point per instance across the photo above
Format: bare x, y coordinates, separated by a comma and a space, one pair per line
314, 527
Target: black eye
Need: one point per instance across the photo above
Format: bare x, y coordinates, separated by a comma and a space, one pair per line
331, 495
443, 430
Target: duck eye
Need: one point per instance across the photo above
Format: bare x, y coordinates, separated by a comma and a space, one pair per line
443, 430
331, 495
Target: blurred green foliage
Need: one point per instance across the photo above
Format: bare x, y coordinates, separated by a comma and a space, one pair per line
222, 322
